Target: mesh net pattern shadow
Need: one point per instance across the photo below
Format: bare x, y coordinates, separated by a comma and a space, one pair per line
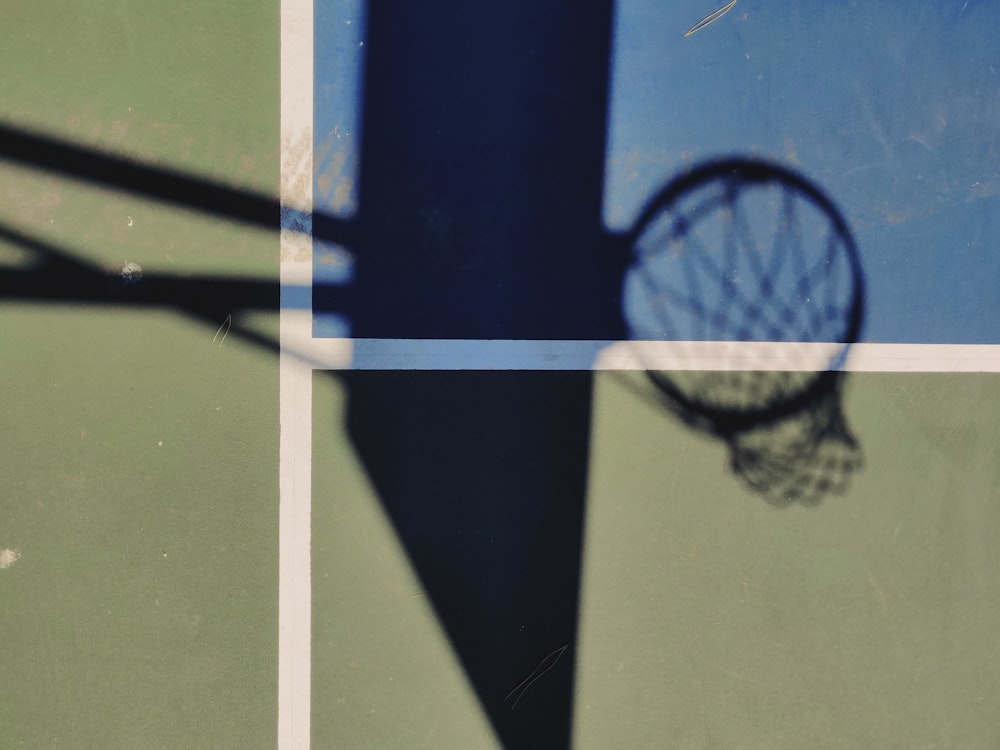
747, 251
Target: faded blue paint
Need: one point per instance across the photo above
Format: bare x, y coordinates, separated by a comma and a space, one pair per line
338, 53
892, 107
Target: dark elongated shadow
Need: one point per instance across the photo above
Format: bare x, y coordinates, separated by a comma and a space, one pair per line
57, 275
484, 477
165, 185
480, 217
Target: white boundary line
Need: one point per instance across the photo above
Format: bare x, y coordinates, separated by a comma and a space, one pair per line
478, 354
295, 381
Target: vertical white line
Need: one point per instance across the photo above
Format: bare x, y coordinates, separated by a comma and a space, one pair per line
294, 574
295, 380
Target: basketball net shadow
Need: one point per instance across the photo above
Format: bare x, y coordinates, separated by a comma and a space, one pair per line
744, 294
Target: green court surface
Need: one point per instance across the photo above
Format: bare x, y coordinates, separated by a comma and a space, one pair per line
709, 618
139, 508
138, 607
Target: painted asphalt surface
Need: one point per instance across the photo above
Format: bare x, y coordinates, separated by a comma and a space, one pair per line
198, 553
890, 110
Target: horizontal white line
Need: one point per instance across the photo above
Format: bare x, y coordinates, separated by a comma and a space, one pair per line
924, 358
476, 354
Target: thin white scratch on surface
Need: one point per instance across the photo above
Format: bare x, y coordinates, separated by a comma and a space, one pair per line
745, 677
544, 666
224, 330
879, 593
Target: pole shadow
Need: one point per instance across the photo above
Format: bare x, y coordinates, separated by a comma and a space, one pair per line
481, 180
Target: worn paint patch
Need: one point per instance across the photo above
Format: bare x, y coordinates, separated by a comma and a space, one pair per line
8, 557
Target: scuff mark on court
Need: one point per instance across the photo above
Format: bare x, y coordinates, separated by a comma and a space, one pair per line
883, 601
8, 557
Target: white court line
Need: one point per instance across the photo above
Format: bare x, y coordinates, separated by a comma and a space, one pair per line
479, 354
295, 382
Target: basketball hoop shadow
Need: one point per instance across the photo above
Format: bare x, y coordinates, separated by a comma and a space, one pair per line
744, 294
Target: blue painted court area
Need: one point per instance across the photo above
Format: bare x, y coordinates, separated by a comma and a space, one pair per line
338, 67
891, 108
504, 195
